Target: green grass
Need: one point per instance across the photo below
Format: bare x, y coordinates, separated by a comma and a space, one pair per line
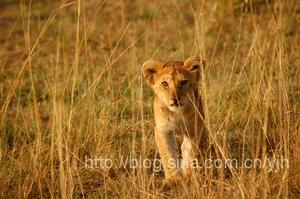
71, 87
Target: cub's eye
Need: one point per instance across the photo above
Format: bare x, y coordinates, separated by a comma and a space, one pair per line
164, 84
183, 83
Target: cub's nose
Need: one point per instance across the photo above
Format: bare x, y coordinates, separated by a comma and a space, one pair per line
175, 102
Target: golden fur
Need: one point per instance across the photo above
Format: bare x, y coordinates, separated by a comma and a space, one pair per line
177, 109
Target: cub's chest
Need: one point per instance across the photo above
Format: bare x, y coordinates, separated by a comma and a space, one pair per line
175, 121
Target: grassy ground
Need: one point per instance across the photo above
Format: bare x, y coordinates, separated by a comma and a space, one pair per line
71, 89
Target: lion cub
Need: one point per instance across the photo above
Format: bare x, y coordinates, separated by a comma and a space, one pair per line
177, 109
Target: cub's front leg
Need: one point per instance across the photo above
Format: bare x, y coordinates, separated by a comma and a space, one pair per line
189, 155
193, 150
166, 144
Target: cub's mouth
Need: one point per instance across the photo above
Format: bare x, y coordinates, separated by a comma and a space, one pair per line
176, 104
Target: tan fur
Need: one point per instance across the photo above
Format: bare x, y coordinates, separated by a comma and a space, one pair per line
177, 109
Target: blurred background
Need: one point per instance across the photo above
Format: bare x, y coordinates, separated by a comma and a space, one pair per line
71, 87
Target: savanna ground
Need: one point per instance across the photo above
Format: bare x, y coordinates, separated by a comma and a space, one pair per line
71, 88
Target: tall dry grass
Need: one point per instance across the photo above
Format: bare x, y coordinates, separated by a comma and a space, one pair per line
71, 89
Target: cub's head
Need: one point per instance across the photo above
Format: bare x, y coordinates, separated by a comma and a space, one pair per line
173, 82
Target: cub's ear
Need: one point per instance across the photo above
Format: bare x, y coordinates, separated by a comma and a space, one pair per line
150, 68
195, 65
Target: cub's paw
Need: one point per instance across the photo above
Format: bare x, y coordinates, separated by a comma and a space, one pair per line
171, 182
